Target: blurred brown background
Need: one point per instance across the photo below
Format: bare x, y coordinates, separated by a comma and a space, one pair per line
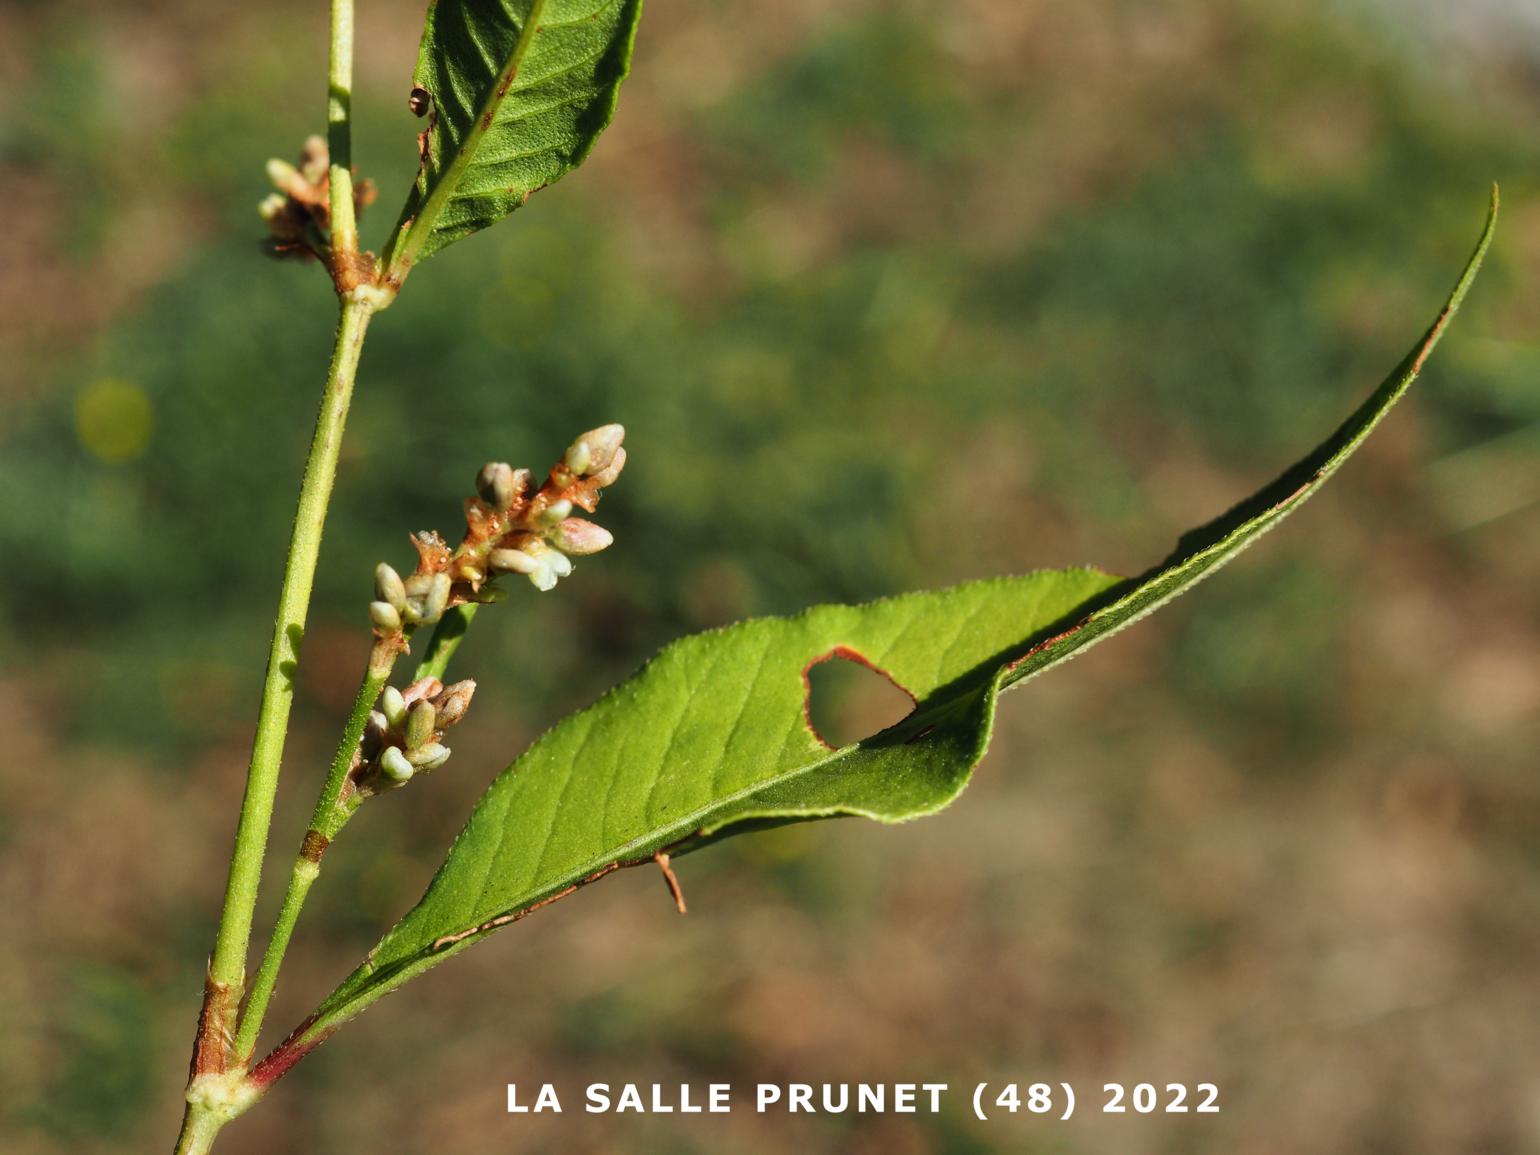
889, 295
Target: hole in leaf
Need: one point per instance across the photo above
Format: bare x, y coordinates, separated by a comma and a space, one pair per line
848, 699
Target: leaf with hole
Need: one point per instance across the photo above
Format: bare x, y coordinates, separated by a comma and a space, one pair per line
516, 93
712, 737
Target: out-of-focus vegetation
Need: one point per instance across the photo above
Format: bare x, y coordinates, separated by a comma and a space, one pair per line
887, 295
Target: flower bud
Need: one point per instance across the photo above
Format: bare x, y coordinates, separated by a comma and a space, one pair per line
556, 512
377, 727
453, 703
386, 618
395, 765
429, 687
315, 158
283, 175
576, 536
393, 706
436, 601
544, 577
602, 443
579, 457
609, 473
429, 757
271, 207
419, 724
469, 573
498, 484
512, 561
551, 565
388, 586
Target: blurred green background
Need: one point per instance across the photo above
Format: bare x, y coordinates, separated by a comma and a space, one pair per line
889, 295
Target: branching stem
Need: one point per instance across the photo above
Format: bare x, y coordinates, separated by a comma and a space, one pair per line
229, 959
329, 818
217, 1090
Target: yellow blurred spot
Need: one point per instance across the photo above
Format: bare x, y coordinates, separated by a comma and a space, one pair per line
114, 420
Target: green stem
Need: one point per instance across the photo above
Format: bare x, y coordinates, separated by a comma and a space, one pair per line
228, 965
339, 118
199, 1126
328, 819
445, 641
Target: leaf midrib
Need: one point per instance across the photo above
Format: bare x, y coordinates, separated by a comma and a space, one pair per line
422, 225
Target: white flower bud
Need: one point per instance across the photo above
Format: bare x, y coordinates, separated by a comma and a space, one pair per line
395, 765
393, 706
552, 564
271, 207
283, 175
576, 536
512, 561
385, 617
388, 586
543, 578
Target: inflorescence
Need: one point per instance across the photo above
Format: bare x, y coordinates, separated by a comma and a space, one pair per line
511, 527
299, 214
403, 736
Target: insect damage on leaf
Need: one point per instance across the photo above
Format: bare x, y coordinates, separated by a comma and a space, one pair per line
843, 680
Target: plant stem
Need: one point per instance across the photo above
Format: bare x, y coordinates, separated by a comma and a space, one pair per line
228, 965
199, 1126
328, 819
339, 131
445, 641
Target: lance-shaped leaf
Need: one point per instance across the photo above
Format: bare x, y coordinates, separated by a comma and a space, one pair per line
712, 736
516, 93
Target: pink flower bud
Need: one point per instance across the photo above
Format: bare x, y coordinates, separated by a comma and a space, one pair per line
576, 536
602, 444
609, 473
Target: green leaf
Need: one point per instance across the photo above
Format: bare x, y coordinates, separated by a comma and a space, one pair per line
711, 737
517, 92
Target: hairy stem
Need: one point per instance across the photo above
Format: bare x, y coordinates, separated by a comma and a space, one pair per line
329, 818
